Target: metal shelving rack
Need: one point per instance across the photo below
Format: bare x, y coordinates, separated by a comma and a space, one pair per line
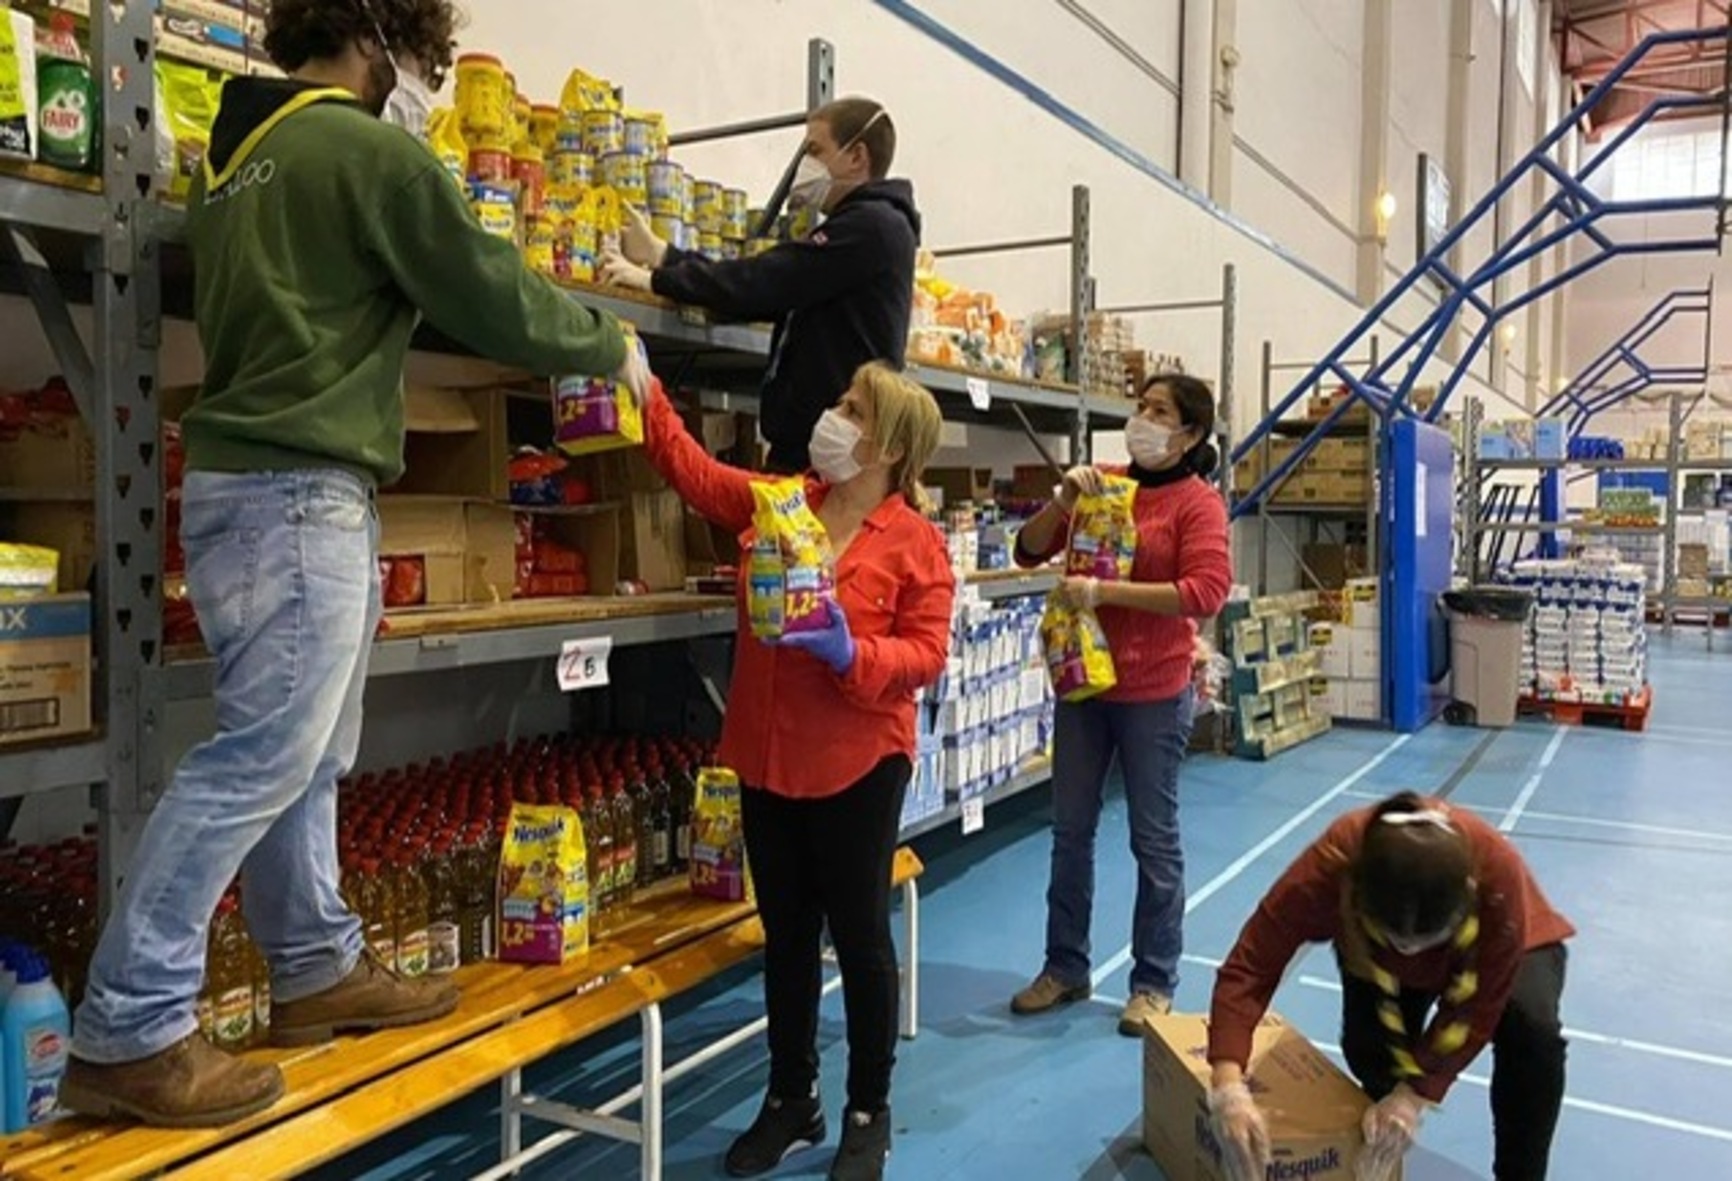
1674, 466
120, 232
1316, 516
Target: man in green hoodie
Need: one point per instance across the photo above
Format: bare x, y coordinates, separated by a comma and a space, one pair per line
320, 237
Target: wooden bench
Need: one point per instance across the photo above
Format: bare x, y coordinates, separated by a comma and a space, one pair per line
350, 1092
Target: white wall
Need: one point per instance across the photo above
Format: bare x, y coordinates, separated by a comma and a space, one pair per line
1610, 300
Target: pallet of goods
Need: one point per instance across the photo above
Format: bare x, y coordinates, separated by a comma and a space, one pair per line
1585, 649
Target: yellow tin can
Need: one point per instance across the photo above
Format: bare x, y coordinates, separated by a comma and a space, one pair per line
707, 206
484, 98
667, 183
625, 174
603, 133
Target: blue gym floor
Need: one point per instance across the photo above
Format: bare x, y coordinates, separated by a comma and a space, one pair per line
1630, 834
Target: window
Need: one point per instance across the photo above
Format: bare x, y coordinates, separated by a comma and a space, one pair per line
1685, 164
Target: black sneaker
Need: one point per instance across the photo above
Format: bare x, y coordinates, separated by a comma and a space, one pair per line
865, 1147
783, 1127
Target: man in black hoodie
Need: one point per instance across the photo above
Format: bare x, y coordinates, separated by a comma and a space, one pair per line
840, 298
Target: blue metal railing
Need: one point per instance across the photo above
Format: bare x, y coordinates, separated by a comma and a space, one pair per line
1386, 390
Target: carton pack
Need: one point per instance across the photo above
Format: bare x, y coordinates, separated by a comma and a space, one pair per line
1314, 1110
44, 668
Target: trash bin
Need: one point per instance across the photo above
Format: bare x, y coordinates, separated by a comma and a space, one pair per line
1486, 625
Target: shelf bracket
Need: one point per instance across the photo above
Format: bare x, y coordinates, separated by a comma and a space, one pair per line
70, 353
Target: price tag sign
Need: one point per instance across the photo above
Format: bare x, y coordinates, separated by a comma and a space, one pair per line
583, 664
979, 393
973, 815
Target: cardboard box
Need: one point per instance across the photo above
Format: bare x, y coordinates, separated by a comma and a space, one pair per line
1362, 608
653, 541
44, 668
1314, 1110
1362, 699
594, 531
468, 548
1364, 653
66, 526
49, 453
1333, 643
959, 484
1328, 566
457, 444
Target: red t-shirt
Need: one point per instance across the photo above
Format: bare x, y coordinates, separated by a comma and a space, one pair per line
1181, 539
1304, 906
793, 727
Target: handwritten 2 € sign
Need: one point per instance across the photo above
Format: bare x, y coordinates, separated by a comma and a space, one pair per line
583, 663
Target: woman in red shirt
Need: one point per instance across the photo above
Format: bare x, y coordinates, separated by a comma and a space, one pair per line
1182, 573
1429, 907
821, 729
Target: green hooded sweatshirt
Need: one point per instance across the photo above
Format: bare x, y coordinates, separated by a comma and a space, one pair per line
319, 237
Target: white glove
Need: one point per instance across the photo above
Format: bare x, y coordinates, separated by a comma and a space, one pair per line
640, 242
1391, 1125
1239, 1125
619, 271
1081, 480
635, 373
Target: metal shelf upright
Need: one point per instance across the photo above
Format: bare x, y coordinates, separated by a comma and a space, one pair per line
1315, 515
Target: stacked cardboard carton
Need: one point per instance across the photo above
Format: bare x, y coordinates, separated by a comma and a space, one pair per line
1586, 640
1279, 692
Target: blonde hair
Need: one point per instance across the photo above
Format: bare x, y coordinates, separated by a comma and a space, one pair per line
906, 422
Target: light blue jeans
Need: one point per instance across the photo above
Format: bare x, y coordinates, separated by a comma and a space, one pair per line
283, 571
1149, 741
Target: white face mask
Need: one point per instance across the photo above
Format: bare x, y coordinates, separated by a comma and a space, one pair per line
813, 180
409, 104
833, 443
812, 185
1148, 442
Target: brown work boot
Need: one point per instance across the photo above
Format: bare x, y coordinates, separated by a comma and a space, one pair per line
371, 997
1047, 992
1141, 1010
192, 1084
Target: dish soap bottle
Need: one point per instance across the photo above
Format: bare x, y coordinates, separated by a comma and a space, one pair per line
69, 119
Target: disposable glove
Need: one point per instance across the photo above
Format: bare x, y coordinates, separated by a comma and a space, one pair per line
833, 644
1241, 1129
1080, 594
619, 271
641, 243
1081, 480
1391, 1125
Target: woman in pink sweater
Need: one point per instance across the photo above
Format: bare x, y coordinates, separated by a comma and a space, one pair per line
1182, 573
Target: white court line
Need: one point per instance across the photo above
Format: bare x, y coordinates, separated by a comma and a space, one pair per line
1226, 877
1705, 1131
1572, 818
1533, 784
1634, 1045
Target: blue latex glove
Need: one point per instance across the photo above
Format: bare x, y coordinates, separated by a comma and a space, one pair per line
834, 645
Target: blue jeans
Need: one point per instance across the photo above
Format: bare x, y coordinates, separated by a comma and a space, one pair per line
1149, 740
283, 571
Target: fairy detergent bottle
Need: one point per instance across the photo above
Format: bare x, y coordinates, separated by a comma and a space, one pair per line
68, 118
35, 1035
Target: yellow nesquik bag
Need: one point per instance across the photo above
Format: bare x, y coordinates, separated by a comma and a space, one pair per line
790, 569
1103, 538
1077, 658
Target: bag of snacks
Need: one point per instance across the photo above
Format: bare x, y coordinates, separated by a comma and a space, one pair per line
1103, 533
543, 887
27, 571
1077, 658
718, 859
789, 572
594, 414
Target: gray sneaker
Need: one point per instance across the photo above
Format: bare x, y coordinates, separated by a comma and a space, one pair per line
1047, 992
1142, 1006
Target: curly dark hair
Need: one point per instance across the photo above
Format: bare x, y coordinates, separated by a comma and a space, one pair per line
300, 31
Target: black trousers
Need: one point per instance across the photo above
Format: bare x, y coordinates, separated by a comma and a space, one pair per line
1527, 1078
818, 862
